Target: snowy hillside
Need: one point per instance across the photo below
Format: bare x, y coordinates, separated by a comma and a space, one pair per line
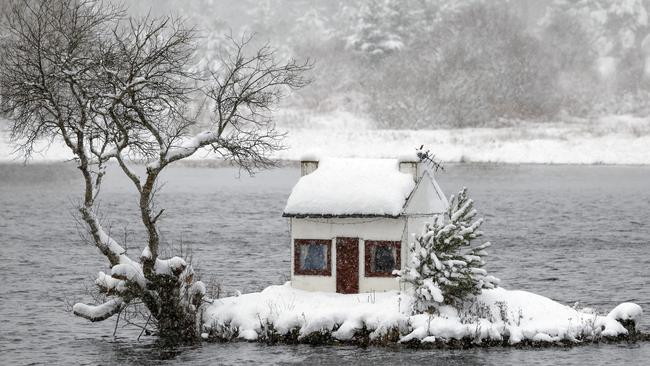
620, 139
612, 140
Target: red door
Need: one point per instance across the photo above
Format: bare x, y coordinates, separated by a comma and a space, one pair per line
347, 265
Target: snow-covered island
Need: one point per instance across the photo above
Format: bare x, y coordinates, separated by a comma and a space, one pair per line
497, 316
361, 275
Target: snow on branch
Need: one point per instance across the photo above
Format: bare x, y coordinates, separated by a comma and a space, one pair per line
129, 271
172, 266
189, 147
103, 156
110, 285
96, 313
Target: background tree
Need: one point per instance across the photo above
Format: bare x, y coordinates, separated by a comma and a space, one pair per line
450, 63
613, 37
119, 89
444, 266
378, 27
573, 56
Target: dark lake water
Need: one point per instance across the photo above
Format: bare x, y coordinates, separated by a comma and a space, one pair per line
572, 233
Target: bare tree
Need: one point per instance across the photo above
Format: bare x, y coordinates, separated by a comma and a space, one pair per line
114, 88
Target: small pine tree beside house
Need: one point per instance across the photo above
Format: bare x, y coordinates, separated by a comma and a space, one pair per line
445, 265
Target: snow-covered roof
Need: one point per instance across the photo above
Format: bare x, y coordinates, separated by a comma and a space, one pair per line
350, 187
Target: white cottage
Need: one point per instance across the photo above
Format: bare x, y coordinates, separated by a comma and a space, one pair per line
351, 220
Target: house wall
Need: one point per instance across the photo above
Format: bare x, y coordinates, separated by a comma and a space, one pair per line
425, 202
364, 229
427, 198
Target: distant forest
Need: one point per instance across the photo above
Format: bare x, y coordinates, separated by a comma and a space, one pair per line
445, 63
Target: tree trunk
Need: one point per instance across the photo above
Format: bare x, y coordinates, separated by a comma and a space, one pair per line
175, 321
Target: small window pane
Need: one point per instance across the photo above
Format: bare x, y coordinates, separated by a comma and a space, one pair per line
384, 258
313, 257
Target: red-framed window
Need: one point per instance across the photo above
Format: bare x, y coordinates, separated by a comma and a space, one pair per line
382, 257
312, 257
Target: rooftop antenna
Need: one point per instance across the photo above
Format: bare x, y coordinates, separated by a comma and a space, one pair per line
428, 158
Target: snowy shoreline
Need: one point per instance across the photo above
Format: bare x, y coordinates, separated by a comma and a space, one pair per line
496, 317
612, 140
617, 140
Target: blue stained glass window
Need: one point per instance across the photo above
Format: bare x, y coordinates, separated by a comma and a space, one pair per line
313, 257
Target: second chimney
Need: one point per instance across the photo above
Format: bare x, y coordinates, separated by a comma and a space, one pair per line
409, 167
308, 166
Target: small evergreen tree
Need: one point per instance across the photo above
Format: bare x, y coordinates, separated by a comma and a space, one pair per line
444, 267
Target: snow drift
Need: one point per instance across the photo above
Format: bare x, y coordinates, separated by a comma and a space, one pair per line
497, 315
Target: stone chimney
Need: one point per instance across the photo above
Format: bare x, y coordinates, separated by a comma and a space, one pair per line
308, 166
